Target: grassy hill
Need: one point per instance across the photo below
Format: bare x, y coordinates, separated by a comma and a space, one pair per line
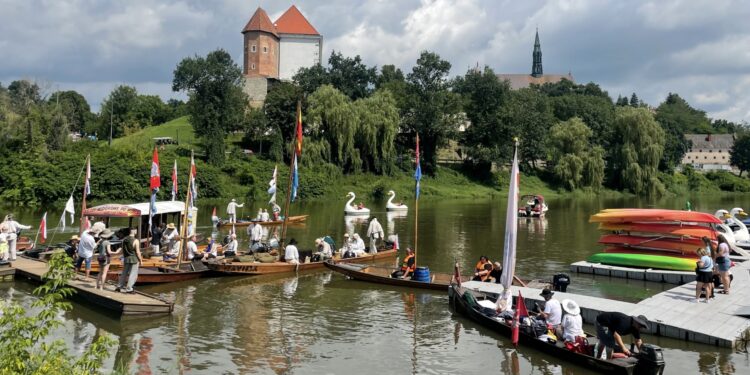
179, 129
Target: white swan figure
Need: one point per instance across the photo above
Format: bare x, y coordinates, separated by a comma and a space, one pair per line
723, 228
741, 233
390, 206
353, 210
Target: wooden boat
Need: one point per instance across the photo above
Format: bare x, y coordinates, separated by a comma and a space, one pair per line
630, 215
165, 274
24, 243
245, 223
648, 361
382, 275
257, 268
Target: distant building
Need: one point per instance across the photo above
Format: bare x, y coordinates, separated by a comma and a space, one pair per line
277, 50
537, 76
709, 152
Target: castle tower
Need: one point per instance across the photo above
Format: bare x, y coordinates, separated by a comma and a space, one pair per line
536, 67
300, 43
261, 47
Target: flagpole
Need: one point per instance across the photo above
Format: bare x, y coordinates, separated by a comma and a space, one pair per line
291, 175
416, 208
183, 227
57, 228
87, 165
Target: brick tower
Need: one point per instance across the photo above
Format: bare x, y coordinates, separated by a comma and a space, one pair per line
261, 47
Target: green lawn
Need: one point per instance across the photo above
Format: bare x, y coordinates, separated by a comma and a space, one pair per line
179, 129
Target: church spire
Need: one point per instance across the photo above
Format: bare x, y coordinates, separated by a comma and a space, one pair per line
536, 67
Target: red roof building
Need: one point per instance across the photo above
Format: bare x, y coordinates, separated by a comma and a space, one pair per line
293, 22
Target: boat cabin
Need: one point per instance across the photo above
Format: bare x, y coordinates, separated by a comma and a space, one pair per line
136, 215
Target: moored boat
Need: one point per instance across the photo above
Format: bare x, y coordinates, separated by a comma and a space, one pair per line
165, 274
245, 223
532, 205
382, 275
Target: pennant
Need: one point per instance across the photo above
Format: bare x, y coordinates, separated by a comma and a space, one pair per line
155, 177
193, 186
87, 181
69, 209
295, 177
174, 181
521, 312
418, 172
298, 146
43, 228
272, 187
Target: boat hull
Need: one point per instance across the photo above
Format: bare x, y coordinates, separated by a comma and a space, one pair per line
662, 262
630, 215
382, 275
245, 223
257, 268
397, 209
684, 246
160, 275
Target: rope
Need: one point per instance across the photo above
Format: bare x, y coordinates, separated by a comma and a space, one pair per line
57, 228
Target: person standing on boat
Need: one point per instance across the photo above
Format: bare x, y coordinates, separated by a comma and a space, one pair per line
231, 249
232, 210
12, 228
276, 209
255, 232
291, 254
552, 313
131, 252
407, 266
104, 258
611, 326
156, 233
375, 233
264, 216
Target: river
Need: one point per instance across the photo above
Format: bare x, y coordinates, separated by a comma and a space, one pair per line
321, 323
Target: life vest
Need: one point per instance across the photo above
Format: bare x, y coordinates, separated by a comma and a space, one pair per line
480, 269
405, 265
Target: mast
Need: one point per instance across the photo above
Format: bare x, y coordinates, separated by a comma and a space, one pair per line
295, 150
417, 177
183, 227
86, 183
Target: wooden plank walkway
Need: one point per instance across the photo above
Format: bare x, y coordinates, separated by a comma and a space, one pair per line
121, 303
673, 313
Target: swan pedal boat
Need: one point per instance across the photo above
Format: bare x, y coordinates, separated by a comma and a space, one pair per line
390, 206
245, 223
467, 303
350, 210
532, 205
227, 266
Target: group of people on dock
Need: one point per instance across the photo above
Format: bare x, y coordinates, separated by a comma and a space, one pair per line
9, 233
713, 268
98, 241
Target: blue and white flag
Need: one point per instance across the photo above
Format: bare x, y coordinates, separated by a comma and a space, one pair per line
295, 177
418, 172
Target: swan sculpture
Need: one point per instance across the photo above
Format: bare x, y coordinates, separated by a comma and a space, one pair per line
724, 228
390, 206
741, 233
349, 209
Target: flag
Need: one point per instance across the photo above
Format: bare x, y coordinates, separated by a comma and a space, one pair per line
418, 172
43, 228
193, 187
213, 213
272, 187
174, 181
69, 209
295, 177
511, 228
456, 274
521, 312
87, 181
155, 184
85, 224
298, 145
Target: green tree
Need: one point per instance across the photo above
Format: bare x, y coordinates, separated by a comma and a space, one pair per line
621, 101
24, 335
678, 118
527, 115
332, 121
637, 151
350, 76
634, 102
432, 110
574, 160
23, 94
739, 155
149, 110
217, 103
377, 130
280, 109
116, 112
74, 107
309, 79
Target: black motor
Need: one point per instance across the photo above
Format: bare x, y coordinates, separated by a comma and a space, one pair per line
650, 360
560, 282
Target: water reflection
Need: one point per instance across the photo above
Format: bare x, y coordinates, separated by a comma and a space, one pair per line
356, 224
391, 218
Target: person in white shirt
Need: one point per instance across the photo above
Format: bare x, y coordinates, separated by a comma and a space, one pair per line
11, 228
324, 249
291, 254
358, 245
231, 249
192, 249
552, 311
346, 248
572, 325
86, 250
232, 210
172, 239
255, 231
375, 233
264, 216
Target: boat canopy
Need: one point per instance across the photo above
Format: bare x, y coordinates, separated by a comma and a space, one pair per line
134, 210
532, 196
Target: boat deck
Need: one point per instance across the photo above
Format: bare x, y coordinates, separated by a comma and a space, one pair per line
120, 303
723, 322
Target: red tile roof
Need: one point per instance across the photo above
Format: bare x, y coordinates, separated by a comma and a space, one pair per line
260, 22
293, 22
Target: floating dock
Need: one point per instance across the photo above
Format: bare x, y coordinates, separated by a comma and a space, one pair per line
121, 303
6, 272
725, 321
659, 276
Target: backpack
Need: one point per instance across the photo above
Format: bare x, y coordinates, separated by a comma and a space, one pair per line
330, 241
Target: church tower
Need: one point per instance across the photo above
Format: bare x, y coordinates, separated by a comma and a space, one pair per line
536, 67
261, 47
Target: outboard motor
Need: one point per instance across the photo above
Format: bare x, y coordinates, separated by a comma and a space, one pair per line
650, 360
528, 211
560, 282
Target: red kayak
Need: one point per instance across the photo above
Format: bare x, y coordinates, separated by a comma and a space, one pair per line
630, 215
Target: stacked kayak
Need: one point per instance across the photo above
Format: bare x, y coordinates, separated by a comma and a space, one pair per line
652, 238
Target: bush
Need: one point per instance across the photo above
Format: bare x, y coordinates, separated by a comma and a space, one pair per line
727, 181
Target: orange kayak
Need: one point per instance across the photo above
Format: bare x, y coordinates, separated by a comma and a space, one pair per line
696, 231
630, 215
676, 245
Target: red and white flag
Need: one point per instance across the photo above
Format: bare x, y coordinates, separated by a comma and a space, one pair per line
43, 228
155, 177
193, 187
521, 312
174, 181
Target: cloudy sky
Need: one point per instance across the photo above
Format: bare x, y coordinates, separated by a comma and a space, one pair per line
699, 49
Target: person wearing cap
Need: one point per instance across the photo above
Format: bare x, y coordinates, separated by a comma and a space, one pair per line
231, 249
375, 233
86, 249
407, 266
105, 257
171, 241
72, 245
611, 326
232, 210
291, 254
572, 324
276, 209
324, 249
12, 228
552, 313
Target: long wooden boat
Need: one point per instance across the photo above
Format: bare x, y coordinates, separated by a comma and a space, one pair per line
244, 223
649, 361
256, 268
164, 274
382, 275
630, 215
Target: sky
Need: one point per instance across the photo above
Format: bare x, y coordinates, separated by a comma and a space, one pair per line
699, 49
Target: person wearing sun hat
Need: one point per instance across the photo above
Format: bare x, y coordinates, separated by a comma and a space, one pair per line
611, 326
572, 324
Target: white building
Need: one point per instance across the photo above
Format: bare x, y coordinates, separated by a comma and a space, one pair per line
709, 152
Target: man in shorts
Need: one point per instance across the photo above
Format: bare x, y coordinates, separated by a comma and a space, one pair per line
86, 248
611, 326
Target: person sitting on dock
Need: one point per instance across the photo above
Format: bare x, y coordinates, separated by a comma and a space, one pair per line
483, 269
407, 266
572, 324
611, 326
232, 210
552, 312
704, 274
324, 250
358, 245
231, 249
291, 254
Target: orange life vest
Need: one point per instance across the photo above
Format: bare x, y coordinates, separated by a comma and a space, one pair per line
483, 273
405, 265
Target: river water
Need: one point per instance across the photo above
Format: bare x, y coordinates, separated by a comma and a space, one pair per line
321, 323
